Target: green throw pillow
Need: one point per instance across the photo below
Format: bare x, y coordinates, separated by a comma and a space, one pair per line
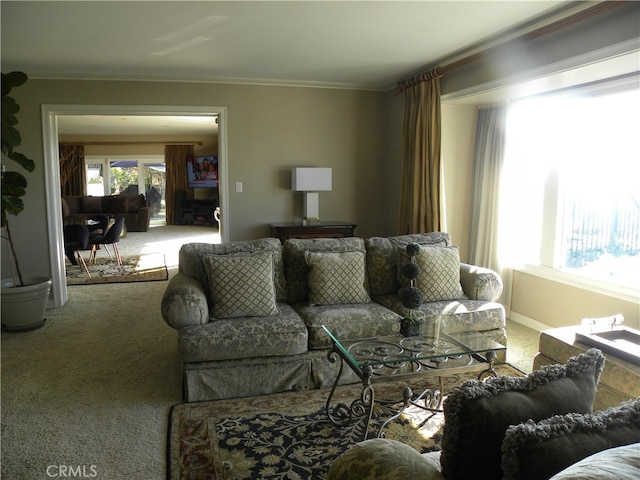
336, 278
563, 440
477, 414
242, 285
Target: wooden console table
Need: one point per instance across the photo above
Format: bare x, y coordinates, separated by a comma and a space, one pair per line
283, 231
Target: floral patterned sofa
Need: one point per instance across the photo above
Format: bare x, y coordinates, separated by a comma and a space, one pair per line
249, 314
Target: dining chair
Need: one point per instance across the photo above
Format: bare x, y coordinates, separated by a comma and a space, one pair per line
111, 237
76, 239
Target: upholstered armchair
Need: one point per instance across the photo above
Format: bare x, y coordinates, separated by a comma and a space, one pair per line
530, 428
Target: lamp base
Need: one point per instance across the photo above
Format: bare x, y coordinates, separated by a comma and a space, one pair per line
310, 221
311, 207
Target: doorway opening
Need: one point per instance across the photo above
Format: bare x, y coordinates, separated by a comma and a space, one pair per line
50, 115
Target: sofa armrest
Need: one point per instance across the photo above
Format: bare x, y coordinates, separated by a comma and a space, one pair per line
144, 219
479, 283
184, 302
383, 459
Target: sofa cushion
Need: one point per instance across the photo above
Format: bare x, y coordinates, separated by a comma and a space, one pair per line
619, 463
114, 204
477, 414
244, 338
563, 440
192, 255
347, 322
439, 277
91, 204
295, 265
382, 258
135, 203
336, 278
242, 284
74, 202
461, 315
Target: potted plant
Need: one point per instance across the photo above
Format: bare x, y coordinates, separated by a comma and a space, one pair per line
24, 299
411, 296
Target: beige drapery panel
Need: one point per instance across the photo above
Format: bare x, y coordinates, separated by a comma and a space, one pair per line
485, 238
420, 204
72, 171
175, 157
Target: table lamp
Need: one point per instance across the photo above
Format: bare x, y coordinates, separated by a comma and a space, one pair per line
311, 180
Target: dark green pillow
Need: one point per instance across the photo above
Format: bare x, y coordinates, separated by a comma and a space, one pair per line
477, 414
537, 451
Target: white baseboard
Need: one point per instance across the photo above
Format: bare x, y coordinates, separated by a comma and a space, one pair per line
528, 322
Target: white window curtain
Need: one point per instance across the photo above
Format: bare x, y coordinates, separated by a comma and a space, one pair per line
485, 237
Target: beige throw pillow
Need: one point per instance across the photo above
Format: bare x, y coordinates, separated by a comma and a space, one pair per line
242, 285
439, 277
336, 278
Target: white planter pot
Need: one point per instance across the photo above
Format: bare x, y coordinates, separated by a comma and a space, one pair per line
23, 307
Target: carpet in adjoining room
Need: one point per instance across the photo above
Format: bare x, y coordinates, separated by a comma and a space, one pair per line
287, 435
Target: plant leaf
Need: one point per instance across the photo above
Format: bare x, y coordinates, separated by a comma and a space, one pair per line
25, 162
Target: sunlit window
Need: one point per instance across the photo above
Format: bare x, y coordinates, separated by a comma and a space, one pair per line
572, 184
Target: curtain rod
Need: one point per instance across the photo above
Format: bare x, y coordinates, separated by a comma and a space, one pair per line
438, 72
131, 143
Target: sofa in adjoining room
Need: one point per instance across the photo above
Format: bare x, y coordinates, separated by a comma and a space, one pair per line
133, 208
249, 314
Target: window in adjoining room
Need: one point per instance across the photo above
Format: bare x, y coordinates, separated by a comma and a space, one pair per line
572, 185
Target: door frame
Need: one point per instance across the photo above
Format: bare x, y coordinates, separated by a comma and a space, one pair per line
50, 113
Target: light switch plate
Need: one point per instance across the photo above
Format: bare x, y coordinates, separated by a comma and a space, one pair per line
238, 187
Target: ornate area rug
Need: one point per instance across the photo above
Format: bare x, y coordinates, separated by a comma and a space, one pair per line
287, 436
137, 268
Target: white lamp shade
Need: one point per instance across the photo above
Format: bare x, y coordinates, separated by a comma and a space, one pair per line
311, 179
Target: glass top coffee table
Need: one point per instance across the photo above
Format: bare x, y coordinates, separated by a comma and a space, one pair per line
394, 358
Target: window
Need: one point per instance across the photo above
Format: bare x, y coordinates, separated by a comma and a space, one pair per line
572, 185
129, 175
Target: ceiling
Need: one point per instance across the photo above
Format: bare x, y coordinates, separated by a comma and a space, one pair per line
336, 44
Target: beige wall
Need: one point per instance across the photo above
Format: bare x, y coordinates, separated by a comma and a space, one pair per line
557, 305
270, 130
458, 136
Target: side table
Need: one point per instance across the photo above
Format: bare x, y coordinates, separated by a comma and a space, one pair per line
619, 381
283, 231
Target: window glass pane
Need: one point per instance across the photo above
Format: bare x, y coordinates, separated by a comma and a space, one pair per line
124, 177
571, 184
155, 183
95, 179
601, 190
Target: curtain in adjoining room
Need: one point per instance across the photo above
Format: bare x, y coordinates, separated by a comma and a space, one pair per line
177, 187
72, 171
420, 202
488, 164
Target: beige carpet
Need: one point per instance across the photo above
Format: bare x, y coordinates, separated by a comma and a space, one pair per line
134, 268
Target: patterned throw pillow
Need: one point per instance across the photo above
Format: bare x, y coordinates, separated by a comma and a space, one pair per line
336, 278
242, 285
439, 277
